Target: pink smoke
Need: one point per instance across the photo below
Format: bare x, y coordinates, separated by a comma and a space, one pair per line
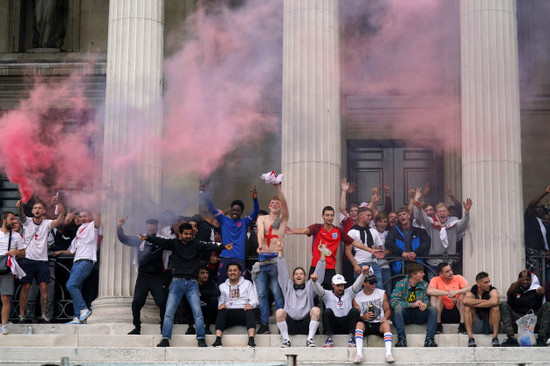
45, 143
404, 56
222, 84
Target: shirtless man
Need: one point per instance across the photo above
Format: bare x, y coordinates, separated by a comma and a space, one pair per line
271, 230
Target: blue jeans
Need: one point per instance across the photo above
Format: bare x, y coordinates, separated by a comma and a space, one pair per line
178, 288
80, 271
402, 316
268, 277
377, 272
386, 279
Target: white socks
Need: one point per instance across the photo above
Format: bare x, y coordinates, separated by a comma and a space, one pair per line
283, 328
313, 325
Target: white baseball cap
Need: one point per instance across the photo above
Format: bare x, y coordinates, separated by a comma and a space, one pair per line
338, 280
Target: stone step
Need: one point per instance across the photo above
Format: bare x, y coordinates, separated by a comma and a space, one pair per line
32, 355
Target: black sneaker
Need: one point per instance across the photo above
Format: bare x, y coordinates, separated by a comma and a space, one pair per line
164, 343
251, 343
135, 331
43, 321
540, 342
510, 342
495, 342
21, 320
462, 329
472, 342
438, 328
429, 342
191, 330
263, 329
217, 343
402, 342
201, 343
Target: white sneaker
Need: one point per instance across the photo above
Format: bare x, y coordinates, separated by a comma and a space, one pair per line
326, 251
358, 359
74, 321
389, 359
84, 314
310, 343
4, 330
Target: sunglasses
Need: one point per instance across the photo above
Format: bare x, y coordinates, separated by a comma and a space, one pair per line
372, 282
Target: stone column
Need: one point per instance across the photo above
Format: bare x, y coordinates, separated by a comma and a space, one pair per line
491, 150
133, 109
311, 130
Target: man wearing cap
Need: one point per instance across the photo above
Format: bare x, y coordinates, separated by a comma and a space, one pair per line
446, 292
374, 311
523, 295
340, 316
411, 304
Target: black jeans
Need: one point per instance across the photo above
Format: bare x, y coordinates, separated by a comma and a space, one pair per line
209, 311
145, 283
340, 325
229, 317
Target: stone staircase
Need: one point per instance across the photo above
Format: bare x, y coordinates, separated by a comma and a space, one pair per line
108, 344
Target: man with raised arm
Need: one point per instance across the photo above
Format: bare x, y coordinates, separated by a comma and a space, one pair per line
186, 252
536, 233
150, 269
234, 229
11, 244
271, 229
443, 232
339, 315
84, 249
35, 263
299, 315
446, 293
330, 236
481, 310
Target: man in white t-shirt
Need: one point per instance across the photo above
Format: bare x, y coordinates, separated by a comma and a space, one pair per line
84, 248
11, 243
35, 263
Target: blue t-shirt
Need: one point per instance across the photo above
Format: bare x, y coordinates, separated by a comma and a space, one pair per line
233, 231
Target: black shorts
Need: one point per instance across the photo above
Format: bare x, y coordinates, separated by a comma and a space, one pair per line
451, 316
372, 328
298, 326
35, 269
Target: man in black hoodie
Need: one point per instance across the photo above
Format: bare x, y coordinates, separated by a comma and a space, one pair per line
150, 271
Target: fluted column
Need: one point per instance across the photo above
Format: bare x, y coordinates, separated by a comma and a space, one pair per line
133, 114
311, 136
491, 150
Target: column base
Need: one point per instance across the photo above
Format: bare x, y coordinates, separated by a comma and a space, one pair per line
119, 310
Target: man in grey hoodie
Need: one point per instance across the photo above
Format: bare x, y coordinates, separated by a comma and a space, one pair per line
299, 315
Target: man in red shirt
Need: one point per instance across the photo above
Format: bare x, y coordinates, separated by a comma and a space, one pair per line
330, 236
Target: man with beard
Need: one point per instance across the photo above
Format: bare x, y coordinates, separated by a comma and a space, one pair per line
236, 305
186, 252
35, 263
150, 271
10, 244
339, 315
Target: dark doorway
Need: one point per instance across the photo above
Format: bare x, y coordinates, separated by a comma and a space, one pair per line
374, 163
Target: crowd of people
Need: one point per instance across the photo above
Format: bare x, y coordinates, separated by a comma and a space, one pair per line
399, 266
